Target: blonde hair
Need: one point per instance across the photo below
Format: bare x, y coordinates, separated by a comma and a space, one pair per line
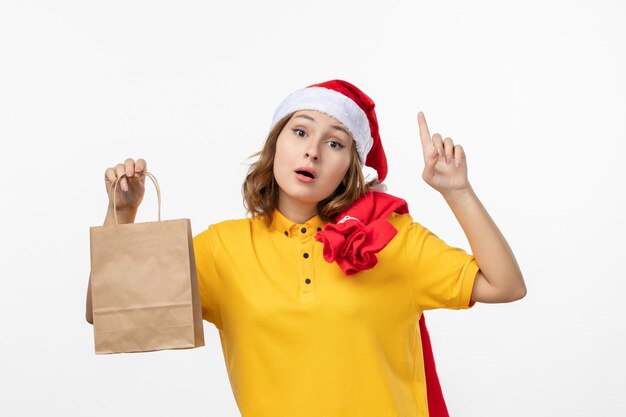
260, 189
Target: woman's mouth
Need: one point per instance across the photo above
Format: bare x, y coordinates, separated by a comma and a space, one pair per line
305, 175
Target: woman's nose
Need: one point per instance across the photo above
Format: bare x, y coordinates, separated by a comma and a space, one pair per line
312, 152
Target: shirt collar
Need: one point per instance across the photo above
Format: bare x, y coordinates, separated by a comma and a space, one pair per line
291, 229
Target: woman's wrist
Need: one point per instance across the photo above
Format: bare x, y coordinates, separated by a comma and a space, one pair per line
124, 216
459, 196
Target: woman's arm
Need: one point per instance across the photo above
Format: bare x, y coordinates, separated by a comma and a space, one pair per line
499, 279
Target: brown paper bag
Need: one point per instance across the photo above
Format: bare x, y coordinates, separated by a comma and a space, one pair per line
144, 286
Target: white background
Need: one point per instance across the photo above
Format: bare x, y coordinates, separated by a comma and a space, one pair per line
533, 90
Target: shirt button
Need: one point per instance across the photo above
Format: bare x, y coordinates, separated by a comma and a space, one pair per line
306, 255
303, 230
308, 281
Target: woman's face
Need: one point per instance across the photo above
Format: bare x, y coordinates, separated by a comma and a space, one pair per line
312, 156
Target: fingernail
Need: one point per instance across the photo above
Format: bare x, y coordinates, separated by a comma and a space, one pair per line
439, 152
447, 160
457, 162
124, 186
129, 173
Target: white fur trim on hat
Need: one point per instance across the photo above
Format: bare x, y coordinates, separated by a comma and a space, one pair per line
334, 104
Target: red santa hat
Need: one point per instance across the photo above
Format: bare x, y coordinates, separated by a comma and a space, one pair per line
352, 107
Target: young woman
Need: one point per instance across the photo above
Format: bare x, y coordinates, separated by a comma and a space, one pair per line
318, 296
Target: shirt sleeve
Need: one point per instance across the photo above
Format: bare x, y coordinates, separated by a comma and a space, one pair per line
441, 276
207, 276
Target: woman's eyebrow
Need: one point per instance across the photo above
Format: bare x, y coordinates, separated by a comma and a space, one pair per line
304, 116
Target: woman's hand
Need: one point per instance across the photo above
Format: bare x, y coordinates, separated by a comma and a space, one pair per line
445, 168
130, 189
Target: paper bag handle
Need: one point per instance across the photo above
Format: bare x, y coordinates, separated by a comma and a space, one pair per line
156, 184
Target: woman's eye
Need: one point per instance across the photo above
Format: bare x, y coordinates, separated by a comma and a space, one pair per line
335, 145
299, 130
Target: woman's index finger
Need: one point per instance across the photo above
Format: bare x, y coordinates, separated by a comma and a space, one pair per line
423, 127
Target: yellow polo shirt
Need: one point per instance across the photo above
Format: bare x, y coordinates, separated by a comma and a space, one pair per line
301, 339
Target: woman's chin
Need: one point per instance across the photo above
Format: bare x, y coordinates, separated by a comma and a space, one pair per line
300, 196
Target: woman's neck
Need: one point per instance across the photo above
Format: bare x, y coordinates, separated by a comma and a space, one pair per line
296, 211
